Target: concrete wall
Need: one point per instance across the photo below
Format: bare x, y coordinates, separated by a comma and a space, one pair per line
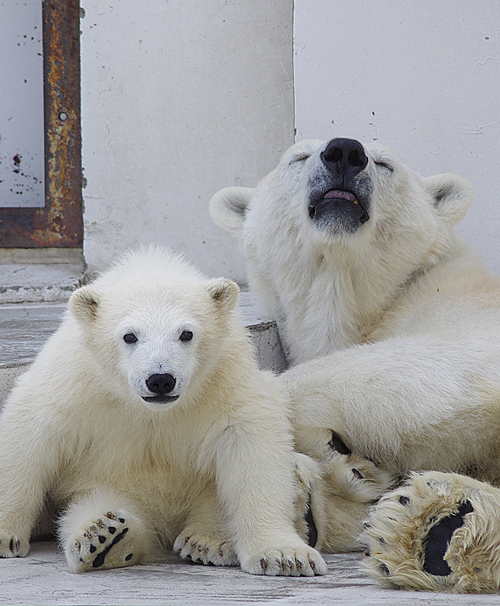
179, 99
422, 77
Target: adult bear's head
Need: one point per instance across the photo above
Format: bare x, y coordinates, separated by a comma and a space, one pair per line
340, 188
334, 233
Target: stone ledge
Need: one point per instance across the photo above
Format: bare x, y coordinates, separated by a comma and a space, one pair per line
33, 283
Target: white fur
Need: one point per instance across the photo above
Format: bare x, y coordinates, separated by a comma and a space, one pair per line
393, 330
397, 533
214, 467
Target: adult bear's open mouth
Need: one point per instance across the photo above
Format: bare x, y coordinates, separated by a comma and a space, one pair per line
339, 194
338, 206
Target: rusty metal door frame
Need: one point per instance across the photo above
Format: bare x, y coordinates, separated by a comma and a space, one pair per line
59, 223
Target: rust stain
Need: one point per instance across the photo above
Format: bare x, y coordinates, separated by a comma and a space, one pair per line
59, 223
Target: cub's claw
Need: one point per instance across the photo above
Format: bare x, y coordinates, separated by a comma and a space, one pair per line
12, 546
205, 549
301, 561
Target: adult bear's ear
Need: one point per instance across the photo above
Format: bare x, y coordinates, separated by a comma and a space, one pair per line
83, 304
224, 293
228, 207
452, 196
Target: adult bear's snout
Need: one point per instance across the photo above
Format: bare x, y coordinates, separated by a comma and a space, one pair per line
344, 157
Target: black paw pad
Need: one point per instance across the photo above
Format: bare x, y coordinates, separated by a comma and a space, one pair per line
404, 500
338, 445
99, 560
438, 539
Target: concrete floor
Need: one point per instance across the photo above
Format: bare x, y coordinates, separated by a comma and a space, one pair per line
43, 578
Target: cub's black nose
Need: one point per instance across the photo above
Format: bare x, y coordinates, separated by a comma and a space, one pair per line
344, 157
160, 384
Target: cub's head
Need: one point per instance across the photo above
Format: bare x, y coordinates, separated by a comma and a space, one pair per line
341, 190
155, 326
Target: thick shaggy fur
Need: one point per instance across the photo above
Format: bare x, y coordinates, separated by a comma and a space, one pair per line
207, 467
391, 324
398, 533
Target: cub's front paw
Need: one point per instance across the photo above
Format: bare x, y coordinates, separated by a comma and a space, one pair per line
13, 546
105, 542
287, 561
205, 549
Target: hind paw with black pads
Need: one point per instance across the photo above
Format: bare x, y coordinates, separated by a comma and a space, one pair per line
437, 532
105, 542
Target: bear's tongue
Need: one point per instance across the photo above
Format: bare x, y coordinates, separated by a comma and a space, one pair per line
340, 194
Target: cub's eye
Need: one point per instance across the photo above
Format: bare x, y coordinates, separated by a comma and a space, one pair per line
384, 165
130, 338
186, 335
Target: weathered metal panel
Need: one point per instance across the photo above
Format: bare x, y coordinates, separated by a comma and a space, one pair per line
22, 181
59, 223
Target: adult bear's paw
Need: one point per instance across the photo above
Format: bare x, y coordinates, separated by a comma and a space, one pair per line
437, 532
109, 541
352, 476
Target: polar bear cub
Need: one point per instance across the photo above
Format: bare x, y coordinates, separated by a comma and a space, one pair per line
145, 418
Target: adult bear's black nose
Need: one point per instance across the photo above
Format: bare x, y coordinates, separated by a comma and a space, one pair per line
160, 384
344, 156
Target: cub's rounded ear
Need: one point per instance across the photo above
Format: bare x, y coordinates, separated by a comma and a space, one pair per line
228, 207
452, 196
83, 304
224, 293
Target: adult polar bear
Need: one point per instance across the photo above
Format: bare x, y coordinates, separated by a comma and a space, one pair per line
391, 324
146, 418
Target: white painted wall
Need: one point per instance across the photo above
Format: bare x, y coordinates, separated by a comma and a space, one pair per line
179, 99
422, 77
